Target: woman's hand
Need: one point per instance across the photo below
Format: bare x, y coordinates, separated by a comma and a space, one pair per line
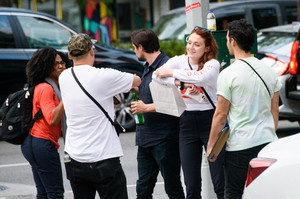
162, 73
193, 90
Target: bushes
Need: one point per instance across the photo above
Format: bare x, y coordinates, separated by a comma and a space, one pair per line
171, 48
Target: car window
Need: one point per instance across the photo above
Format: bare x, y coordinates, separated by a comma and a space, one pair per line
40, 32
264, 17
291, 14
223, 21
169, 26
278, 43
6, 35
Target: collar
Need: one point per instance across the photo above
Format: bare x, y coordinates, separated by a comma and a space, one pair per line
156, 64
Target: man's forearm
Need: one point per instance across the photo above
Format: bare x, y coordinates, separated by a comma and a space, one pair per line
150, 108
275, 109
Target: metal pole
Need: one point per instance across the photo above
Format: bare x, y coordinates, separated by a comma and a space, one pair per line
58, 9
196, 12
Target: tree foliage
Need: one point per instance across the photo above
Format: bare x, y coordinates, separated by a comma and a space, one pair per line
81, 3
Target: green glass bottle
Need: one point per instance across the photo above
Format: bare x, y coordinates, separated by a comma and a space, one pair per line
139, 117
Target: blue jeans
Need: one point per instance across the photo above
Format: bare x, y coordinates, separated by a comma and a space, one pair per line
236, 168
194, 134
163, 157
46, 167
106, 177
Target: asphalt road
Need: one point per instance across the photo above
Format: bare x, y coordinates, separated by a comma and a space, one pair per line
16, 181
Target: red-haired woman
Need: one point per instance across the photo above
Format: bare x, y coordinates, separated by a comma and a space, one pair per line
197, 70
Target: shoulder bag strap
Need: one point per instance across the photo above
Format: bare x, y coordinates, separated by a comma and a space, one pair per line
213, 105
91, 97
258, 76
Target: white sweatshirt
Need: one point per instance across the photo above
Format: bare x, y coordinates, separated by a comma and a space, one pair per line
206, 77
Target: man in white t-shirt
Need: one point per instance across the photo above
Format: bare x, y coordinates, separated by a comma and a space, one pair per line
91, 141
250, 103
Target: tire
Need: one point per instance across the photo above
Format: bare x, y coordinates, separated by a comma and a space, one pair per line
123, 113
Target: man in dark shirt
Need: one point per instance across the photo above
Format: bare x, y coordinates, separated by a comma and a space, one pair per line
157, 139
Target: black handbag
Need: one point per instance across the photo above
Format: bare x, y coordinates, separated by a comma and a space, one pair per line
119, 128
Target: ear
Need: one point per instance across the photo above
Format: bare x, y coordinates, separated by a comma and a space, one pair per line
92, 52
141, 47
70, 57
233, 42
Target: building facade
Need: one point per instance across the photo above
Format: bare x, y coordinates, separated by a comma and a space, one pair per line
108, 21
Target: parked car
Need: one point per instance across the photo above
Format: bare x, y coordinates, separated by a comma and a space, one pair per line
260, 13
275, 172
22, 32
279, 48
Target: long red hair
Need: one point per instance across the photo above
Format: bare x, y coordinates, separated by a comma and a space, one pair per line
209, 42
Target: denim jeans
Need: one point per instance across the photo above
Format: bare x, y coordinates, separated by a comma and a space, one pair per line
194, 134
236, 168
163, 157
46, 167
106, 177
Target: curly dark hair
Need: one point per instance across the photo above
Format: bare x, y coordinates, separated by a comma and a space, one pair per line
41, 65
243, 33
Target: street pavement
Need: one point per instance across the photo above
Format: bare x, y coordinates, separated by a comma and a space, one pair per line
16, 181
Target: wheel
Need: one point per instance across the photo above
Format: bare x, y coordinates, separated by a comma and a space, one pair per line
123, 112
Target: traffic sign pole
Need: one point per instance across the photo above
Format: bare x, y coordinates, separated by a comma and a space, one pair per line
196, 13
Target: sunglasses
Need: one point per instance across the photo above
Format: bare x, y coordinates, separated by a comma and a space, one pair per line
202, 29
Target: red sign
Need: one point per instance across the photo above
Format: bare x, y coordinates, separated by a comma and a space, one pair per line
193, 6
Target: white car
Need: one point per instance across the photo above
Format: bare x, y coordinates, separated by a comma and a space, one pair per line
279, 48
275, 173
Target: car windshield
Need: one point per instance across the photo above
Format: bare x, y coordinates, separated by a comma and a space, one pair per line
171, 26
275, 42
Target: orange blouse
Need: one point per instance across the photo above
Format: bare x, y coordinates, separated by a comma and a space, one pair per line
45, 98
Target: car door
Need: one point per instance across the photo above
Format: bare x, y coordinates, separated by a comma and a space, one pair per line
12, 57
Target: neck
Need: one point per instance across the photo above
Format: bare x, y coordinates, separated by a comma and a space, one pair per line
81, 63
240, 54
151, 57
193, 61
55, 80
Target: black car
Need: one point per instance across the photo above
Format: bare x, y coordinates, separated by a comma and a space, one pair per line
22, 32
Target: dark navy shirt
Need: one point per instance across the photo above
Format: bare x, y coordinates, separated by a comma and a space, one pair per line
158, 127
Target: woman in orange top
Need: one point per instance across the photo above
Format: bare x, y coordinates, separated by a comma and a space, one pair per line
40, 147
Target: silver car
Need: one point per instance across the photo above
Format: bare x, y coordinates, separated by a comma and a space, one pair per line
279, 47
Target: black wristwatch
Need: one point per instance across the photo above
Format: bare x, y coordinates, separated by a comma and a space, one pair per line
181, 85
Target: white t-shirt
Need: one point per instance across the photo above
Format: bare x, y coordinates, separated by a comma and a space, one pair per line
90, 135
250, 120
206, 77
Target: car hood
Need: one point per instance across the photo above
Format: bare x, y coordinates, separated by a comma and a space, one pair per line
115, 55
284, 147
